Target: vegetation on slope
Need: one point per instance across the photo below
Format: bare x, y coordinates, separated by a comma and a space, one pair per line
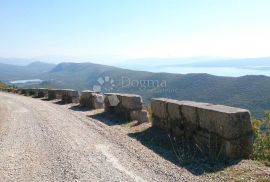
250, 92
3, 85
261, 149
12, 72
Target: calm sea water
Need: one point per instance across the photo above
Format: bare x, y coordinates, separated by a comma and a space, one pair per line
219, 71
26, 81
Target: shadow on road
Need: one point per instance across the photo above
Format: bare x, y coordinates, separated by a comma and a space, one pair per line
79, 108
59, 102
108, 119
181, 152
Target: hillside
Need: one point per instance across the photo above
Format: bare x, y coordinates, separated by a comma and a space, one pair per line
251, 92
10, 72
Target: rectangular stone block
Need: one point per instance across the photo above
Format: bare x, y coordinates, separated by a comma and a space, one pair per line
92, 100
228, 122
52, 94
239, 148
218, 129
122, 105
131, 101
160, 113
97, 101
69, 96
42, 92
159, 107
139, 115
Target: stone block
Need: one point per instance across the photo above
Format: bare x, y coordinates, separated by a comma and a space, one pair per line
97, 101
131, 102
92, 100
69, 96
228, 122
139, 115
159, 107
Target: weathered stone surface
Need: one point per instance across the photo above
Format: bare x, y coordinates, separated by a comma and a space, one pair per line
159, 107
240, 147
159, 113
227, 122
51, 94
30, 92
122, 105
189, 111
85, 99
54, 94
173, 110
130, 101
35, 91
98, 101
23, 91
111, 101
92, 100
69, 96
140, 116
215, 127
42, 92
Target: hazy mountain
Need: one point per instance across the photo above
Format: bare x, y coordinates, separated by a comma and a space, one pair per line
41, 67
16, 61
251, 92
31, 71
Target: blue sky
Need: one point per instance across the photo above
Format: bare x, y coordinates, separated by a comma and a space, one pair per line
134, 28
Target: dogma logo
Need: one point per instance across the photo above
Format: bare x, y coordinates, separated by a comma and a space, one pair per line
104, 84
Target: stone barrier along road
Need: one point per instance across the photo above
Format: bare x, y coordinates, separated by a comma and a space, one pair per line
69, 96
216, 128
29, 92
126, 106
22, 91
91, 100
54, 94
40, 92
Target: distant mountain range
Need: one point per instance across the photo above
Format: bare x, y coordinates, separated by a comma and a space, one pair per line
10, 72
251, 92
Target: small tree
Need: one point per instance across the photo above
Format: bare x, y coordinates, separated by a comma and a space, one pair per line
261, 146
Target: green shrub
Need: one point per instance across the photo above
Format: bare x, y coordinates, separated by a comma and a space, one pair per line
261, 146
149, 110
2, 85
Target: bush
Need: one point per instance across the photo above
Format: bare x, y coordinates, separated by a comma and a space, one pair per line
261, 146
2, 85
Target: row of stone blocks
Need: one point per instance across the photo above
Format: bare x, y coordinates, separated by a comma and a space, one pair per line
66, 95
87, 98
10, 90
216, 129
126, 106
36, 92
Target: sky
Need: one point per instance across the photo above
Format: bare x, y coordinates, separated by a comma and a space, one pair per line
121, 29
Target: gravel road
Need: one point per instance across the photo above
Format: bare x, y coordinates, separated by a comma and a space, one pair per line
43, 141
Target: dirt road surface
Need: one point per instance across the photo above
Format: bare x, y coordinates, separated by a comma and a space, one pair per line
43, 141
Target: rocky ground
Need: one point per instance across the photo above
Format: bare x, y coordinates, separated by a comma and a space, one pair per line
44, 141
